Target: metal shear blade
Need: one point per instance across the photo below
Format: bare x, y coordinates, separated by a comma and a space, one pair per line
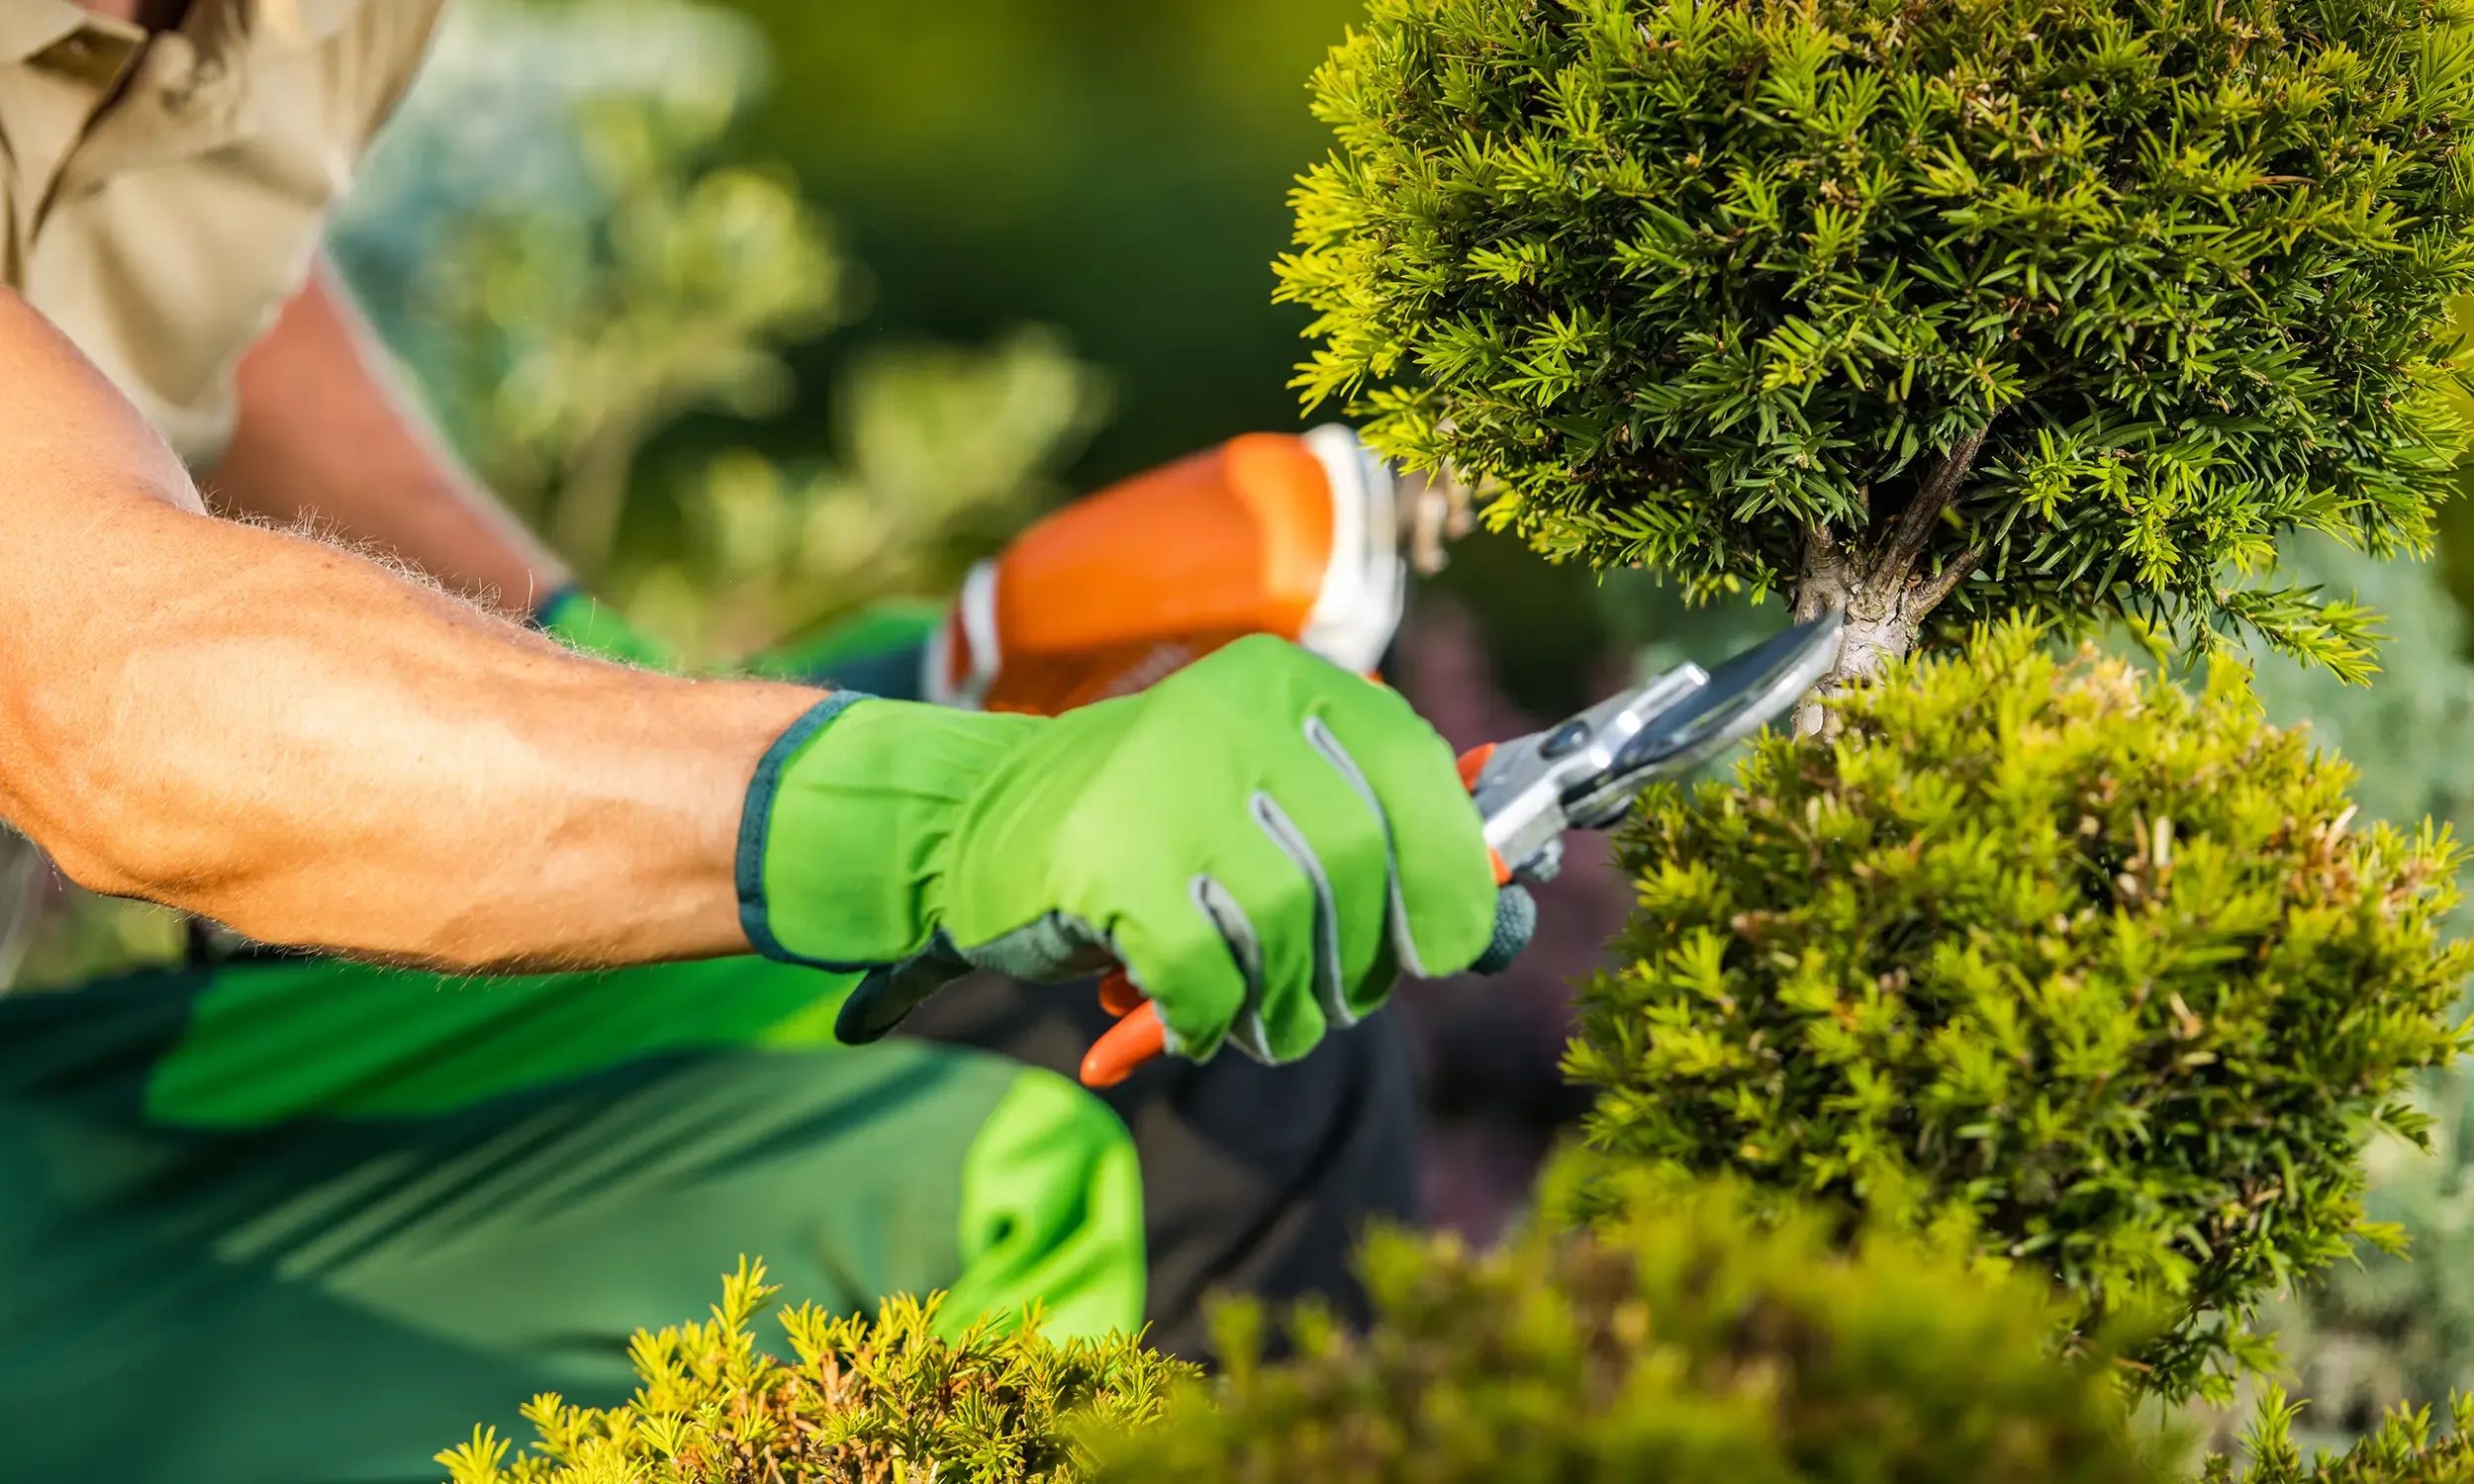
1585, 772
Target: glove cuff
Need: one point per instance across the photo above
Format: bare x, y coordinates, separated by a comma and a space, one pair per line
574, 617
842, 842
878, 650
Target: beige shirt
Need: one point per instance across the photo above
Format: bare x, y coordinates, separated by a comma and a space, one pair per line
160, 196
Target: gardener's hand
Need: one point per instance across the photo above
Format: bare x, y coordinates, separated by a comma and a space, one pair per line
1263, 838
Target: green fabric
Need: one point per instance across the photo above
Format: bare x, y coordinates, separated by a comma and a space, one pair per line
875, 633
1052, 1204
287, 1038
885, 628
1262, 838
577, 617
329, 1296
855, 829
1052, 1208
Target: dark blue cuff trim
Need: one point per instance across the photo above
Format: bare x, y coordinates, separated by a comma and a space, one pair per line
756, 821
889, 675
545, 612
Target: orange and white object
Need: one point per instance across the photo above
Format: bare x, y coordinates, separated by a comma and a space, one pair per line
1291, 535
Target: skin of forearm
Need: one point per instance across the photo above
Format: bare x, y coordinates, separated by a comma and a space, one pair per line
291, 739
327, 437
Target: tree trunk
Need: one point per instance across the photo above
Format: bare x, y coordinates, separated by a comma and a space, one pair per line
1878, 589
1882, 622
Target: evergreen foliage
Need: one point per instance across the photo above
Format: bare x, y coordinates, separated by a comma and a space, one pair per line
2088, 301
2049, 948
1689, 1345
865, 1402
2402, 1452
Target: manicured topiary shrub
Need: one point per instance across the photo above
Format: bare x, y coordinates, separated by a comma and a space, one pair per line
1688, 1345
2064, 303
881, 1401
2050, 947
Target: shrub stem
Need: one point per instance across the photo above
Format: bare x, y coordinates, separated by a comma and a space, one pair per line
1875, 584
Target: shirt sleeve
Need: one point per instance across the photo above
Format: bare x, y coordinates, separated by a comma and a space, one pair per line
391, 40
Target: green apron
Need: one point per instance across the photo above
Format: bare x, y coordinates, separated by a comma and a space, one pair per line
295, 1220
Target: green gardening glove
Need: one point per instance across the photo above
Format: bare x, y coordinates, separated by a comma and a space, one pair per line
573, 616
1264, 840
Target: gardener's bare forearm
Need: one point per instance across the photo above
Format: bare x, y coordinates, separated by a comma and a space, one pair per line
328, 437
290, 739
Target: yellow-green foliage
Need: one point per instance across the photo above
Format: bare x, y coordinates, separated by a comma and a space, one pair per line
2402, 1452
2047, 947
1689, 1345
1713, 284
865, 1402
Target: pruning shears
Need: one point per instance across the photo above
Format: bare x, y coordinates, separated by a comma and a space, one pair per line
1583, 772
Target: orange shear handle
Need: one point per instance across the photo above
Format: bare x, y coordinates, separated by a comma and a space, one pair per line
1138, 1035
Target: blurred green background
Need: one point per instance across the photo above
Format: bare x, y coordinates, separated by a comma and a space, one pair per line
1117, 168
